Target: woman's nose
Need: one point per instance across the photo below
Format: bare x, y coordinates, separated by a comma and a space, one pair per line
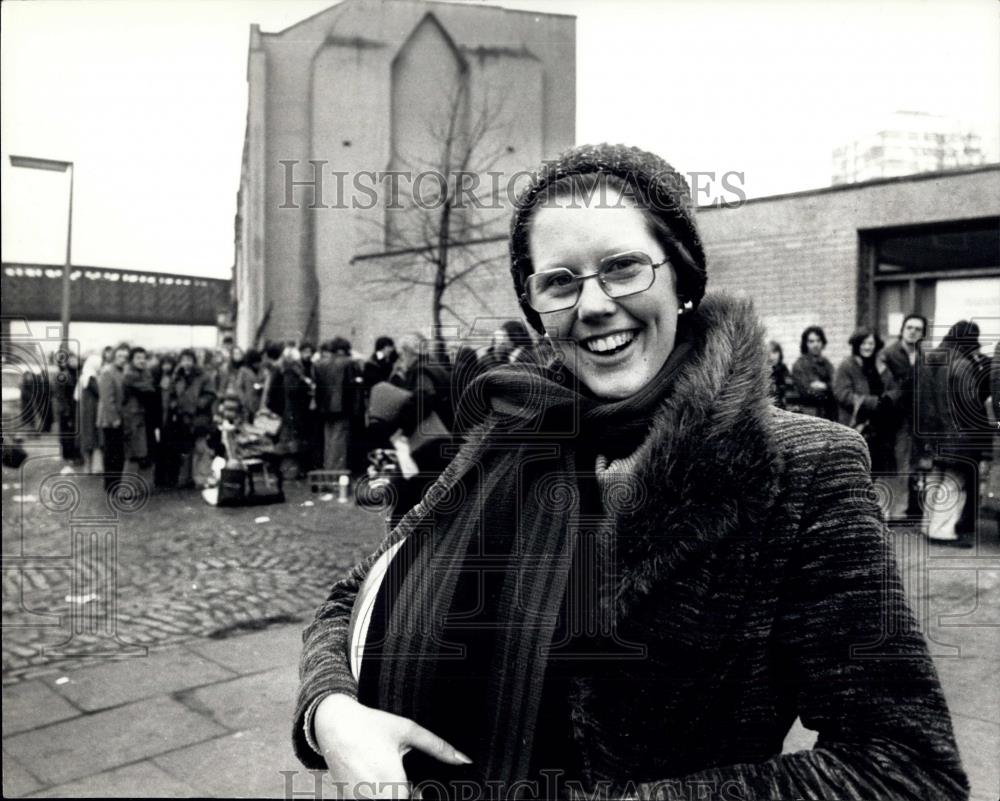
593, 301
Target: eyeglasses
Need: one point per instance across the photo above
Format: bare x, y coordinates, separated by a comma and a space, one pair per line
620, 275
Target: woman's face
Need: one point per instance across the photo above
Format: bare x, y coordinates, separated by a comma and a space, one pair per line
774, 356
814, 344
616, 346
867, 348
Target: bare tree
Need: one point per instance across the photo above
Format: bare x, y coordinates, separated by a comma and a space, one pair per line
447, 225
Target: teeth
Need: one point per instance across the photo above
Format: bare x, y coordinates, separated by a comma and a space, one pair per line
609, 342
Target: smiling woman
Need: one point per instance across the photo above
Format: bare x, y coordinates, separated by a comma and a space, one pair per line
636, 573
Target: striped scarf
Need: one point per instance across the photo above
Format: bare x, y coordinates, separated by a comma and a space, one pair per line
470, 603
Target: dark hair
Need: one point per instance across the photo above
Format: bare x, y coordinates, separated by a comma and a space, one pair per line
963, 336
517, 333
384, 342
273, 350
187, 352
133, 351
307, 344
123, 346
339, 345
772, 345
251, 357
813, 329
913, 316
859, 336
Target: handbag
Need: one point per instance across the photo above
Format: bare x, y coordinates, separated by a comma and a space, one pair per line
267, 422
428, 431
863, 427
387, 401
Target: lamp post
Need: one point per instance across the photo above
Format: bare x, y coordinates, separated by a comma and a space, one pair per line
32, 163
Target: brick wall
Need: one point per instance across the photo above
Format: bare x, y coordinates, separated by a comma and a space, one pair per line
797, 255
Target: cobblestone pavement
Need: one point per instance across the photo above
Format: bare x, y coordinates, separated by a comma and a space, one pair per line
186, 573
84, 582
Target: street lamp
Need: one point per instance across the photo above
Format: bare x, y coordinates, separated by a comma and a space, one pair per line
57, 166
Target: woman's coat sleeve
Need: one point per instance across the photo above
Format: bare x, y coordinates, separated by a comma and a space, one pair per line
862, 676
325, 666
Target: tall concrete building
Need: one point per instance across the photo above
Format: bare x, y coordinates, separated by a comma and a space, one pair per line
365, 90
907, 143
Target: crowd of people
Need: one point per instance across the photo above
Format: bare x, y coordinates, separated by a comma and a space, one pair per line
910, 415
145, 410
162, 413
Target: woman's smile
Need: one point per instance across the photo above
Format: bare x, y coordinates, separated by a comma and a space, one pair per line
621, 343
609, 344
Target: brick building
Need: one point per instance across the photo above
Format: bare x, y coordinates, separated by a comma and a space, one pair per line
864, 254
363, 87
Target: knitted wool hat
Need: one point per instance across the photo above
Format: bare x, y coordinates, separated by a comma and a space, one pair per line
656, 187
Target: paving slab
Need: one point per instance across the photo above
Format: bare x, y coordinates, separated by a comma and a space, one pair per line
95, 743
17, 781
245, 764
971, 687
979, 745
141, 780
262, 699
252, 653
31, 704
128, 680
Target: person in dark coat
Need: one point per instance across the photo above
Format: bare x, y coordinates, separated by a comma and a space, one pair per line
379, 365
312, 456
296, 394
335, 391
813, 376
273, 392
868, 397
193, 398
67, 406
633, 578
953, 380
166, 456
900, 359
111, 415
967, 336
140, 396
250, 383
782, 386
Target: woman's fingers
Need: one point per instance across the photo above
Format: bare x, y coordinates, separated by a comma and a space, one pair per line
416, 736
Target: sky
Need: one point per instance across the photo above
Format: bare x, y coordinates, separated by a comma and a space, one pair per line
148, 99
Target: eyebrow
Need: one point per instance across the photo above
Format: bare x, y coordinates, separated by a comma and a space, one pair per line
575, 268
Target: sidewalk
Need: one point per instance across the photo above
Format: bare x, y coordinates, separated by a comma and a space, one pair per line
212, 717
207, 718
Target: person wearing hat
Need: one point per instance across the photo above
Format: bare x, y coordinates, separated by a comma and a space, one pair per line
636, 573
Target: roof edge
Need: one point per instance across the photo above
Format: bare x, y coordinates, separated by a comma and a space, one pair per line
898, 179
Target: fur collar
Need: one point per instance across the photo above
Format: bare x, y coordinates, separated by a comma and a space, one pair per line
709, 468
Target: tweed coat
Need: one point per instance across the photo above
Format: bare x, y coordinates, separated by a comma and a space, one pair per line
111, 397
758, 580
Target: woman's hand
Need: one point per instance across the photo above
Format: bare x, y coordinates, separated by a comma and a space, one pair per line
364, 747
